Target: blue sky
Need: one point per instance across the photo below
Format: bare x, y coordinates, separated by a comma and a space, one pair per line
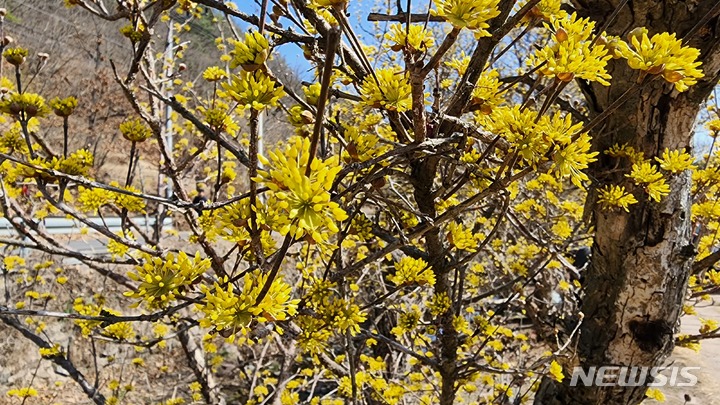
358, 10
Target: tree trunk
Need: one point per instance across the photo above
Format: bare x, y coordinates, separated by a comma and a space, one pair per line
636, 283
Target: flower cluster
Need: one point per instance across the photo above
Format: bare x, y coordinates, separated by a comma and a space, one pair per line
545, 10
416, 38
470, 14
77, 163
615, 196
162, 279
663, 54
647, 175
532, 138
15, 56
135, 130
675, 161
254, 90
214, 74
572, 53
362, 145
251, 53
226, 309
487, 95
304, 201
412, 271
63, 107
23, 392
462, 237
391, 91
24, 105
338, 4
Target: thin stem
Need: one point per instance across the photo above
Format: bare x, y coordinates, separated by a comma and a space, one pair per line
276, 267
133, 148
255, 241
263, 13
442, 50
332, 43
527, 29
65, 137
17, 79
219, 173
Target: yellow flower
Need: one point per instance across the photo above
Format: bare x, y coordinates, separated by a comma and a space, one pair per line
418, 39
663, 54
226, 309
571, 54
545, 10
412, 271
312, 93
15, 56
713, 126
50, 352
519, 128
439, 304
214, 74
362, 145
486, 95
129, 202
573, 158
656, 394
556, 371
219, 118
92, 199
254, 90
675, 161
23, 392
657, 189
161, 280
64, 107
28, 104
303, 201
462, 237
471, 14
708, 326
615, 196
134, 35
250, 53
624, 150
393, 92
13, 140
120, 330
644, 172
562, 228
135, 130
78, 163
459, 63
339, 4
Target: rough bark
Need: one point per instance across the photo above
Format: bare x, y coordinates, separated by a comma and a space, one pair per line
641, 260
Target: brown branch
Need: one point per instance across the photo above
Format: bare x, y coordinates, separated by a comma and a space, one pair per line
403, 17
60, 360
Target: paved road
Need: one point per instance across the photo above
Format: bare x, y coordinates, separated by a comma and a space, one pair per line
707, 391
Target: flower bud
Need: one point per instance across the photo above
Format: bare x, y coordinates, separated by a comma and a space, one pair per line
15, 56
561, 35
636, 33
656, 70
